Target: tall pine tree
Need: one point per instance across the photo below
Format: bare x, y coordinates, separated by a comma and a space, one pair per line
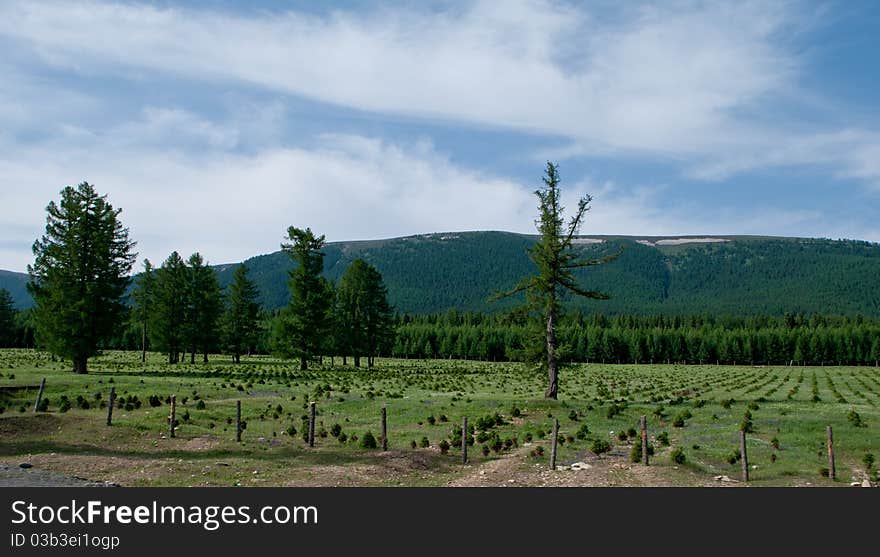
142, 296
240, 321
7, 320
204, 306
365, 316
555, 259
168, 332
80, 274
304, 324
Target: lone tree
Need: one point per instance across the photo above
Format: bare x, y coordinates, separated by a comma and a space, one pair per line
142, 295
80, 274
556, 261
364, 316
240, 322
304, 324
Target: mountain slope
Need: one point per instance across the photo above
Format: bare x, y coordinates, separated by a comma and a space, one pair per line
683, 275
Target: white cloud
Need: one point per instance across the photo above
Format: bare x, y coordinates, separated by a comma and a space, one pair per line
687, 81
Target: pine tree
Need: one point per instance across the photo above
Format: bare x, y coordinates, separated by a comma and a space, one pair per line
365, 316
170, 308
142, 296
556, 260
204, 306
304, 323
241, 320
7, 320
80, 274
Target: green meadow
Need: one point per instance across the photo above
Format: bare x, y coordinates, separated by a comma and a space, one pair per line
692, 411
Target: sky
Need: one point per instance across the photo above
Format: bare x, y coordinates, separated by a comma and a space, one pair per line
216, 125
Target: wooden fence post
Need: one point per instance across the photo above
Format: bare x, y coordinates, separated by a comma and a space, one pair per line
238, 421
744, 456
311, 424
40, 394
110, 406
553, 447
464, 436
643, 425
832, 473
173, 417
384, 429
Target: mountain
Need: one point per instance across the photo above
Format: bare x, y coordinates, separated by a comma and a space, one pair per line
16, 284
731, 275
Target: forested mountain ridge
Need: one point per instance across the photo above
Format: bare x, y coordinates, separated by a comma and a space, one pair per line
726, 275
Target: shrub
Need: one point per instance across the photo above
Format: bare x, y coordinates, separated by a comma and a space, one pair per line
485, 450
413, 444
854, 418
368, 441
342, 437
155, 401
573, 415
432, 420
600, 446
515, 412
678, 421
621, 435
677, 455
823, 472
746, 425
424, 443
772, 458
753, 406
726, 404
44, 405
444, 446
774, 443
335, 430
200, 405
291, 430
635, 454
868, 461
583, 432
539, 451
663, 438
443, 418
631, 432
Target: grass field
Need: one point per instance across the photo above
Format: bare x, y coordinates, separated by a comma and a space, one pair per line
426, 401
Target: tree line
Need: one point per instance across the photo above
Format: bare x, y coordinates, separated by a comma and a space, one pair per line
82, 270
819, 340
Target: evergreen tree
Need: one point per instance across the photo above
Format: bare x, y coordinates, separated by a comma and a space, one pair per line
555, 258
170, 308
7, 320
305, 322
142, 296
80, 274
241, 320
204, 306
365, 316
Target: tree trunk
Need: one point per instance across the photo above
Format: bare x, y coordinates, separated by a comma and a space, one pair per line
357, 361
344, 360
144, 342
236, 358
303, 363
192, 356
552, 365
80, 365
205, 357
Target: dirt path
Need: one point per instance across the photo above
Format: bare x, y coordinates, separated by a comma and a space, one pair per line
518, 469
15, 476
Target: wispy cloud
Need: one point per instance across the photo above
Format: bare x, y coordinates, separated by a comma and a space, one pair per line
691, 82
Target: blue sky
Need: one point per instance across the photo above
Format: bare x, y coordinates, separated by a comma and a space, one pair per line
215, 124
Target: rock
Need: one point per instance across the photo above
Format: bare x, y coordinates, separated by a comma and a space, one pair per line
855, 484
25, 465
581, 466
724, 479
866, 483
